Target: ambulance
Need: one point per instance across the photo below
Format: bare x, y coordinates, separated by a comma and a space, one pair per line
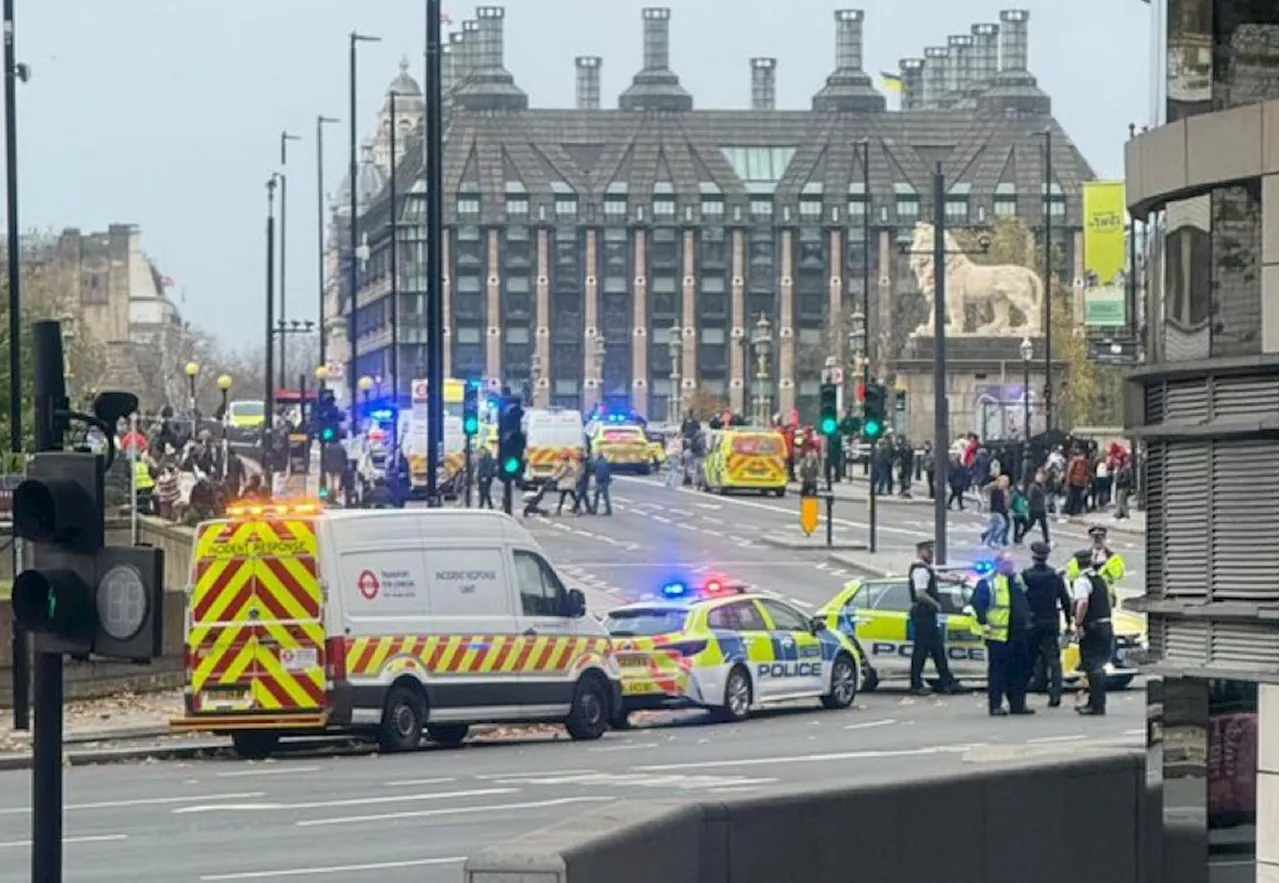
622, 442
387, 624
551, 434
746, 460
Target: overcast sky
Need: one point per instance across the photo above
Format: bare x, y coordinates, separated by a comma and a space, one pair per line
167, 113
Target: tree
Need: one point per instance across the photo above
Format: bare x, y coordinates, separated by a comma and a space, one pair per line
705, 405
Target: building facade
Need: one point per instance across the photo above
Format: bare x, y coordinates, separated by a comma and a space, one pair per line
577, 242
1205, 404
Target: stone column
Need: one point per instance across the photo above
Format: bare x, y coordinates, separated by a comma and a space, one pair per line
1268, 807
1076, 243
446, 293
836, 312
883, 326
542, 320
738, 319
590, 323
786, 398
493, 309
689, 323
640, 328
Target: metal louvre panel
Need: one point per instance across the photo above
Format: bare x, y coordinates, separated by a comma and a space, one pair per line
1153, 404
1244, 396
1186, 642
1155, 635
1154, 484
1186, 400
1244, 521
1186, 492
1243, 645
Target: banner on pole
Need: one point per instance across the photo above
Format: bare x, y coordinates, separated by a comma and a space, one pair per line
1104, 254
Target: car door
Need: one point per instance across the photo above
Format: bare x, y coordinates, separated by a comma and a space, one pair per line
547, 636
746, 620
798, 650
963, 644
884, 630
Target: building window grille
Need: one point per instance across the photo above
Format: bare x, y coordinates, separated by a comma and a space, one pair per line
468, 206
664, 208
762, 208
713, 208
615, 209
566, 209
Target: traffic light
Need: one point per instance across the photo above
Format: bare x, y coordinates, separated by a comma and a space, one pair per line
328, 416
471, 410
79, 596
873, 411
511, 440
829, 419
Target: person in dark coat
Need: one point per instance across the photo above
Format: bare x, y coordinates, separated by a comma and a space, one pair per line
1050, 605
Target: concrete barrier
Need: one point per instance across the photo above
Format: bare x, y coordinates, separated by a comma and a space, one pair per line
1054, 818
85, 680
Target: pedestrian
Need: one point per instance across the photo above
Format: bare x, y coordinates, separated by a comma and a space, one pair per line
996, 533
486, 469
604, 478
1079, 479
1108, 564
1020, 512
905, 456
957, 482
1049, 603
926, 637
566, 481
927, 465
1000, 605
1093, 630
1124, 481
1038, 496
675, 461
582, 487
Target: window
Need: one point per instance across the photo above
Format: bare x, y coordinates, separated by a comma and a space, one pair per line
714, 336
566, 208
908, 204
712, 284
713, 208
615, 209
737, 616
541, 593
762, 208
785, 618
886, 595
662, 284
468, 284
518, 335
811, 209
468, 205
1004, 207
765, 165
664, 208
957, 210
809, 337
517, 206
642, 622
517, 284
468, 335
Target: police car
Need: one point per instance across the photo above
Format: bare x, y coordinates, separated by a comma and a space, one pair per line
718, 646
874, 613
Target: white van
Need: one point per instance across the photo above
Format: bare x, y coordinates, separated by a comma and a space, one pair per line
390, 623
551, 434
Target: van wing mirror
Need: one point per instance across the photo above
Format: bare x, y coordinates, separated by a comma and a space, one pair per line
576, 604
818, 624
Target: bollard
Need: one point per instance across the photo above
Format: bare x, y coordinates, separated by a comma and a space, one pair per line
831, 501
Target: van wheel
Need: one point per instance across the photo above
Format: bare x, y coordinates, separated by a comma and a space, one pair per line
737, 696
255, 744
447, 734
1119, 682
844, 683
403, 718
589, 717
780, 492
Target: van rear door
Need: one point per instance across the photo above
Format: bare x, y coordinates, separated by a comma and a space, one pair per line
255, 628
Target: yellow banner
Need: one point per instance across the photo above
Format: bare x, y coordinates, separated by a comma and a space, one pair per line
1104, 231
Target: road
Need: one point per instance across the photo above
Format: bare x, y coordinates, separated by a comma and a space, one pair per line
416, 817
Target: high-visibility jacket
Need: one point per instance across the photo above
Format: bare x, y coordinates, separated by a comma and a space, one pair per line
142, 476
997, 627
1111, 571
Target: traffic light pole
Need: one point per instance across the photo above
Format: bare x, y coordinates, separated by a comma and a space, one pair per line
506, 495
466, 466
941, 434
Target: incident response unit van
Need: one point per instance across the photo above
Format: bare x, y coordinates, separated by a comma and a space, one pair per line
551, 434
746, 459
386, 623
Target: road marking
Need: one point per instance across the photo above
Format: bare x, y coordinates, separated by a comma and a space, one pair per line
630, 746
350, 801
333, 869
714, 533
662, 518
866, 725
739, 540
684, 525
809, 758
268, 771
683, 513
143, 801
452, 811
95, 838
711, 519
401, 783
1045, 740
542, 773
583, 533
564, 527
1142, 732
714, 507
643, 780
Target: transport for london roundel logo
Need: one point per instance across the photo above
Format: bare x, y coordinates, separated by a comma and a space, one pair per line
368, 584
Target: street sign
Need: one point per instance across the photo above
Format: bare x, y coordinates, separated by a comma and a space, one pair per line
808, 515
336, 370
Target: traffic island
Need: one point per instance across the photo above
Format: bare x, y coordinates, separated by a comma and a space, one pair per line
816, 542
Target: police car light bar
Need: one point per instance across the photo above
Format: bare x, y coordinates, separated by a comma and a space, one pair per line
679, 589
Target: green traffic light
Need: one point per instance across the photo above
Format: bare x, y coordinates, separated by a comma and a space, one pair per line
511, 465
471, 426
871, 428
327, 434
828, 426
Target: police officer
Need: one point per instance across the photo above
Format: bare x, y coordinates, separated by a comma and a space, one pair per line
1092, 597
926, 604
1000, 604
1108, 564
1049, 602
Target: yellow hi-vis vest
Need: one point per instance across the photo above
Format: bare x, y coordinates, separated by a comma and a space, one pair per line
997, 628
1111, 571
142, 476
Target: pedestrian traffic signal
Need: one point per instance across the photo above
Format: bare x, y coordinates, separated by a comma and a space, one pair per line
78, 596
511, 440
327, 416
829, 419
471, 410
873, 411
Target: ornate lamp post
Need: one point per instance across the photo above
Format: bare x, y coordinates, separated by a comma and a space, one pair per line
674, 397
535, 378
365, 385
1026, 350
762, 343
192, 371
322, 376
224, 387
597, 363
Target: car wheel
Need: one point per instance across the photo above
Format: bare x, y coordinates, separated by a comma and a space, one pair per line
737, 696
1119, 682
447, 734
870, 678
844, 683
621, 720
589, 717
255, 744
780, 492
403, 718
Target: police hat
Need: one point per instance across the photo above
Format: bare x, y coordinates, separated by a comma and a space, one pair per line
924, 544
1040, 551
1084, 556
1097, 531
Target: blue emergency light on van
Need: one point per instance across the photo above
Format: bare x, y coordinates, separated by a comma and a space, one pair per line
675, 589
984, 566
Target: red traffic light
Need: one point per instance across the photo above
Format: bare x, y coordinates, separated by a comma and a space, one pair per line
59, 510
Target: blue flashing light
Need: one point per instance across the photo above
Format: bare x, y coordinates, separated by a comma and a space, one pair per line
382, 415
675, 589
984, 567
327, 433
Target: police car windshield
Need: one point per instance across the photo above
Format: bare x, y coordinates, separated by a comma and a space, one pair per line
645, 622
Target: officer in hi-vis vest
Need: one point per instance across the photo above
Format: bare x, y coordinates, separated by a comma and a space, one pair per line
1000, 604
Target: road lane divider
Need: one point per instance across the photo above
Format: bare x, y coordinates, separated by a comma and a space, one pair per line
810, 758
268, 771
347, 801
332, 869
404, 783
88, 838
141, 801
867, 725
453, 811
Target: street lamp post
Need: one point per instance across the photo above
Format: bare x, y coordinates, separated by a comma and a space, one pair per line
1026, 350
321, 122
354, 229
394, 256
858, 346
597, 363
674, 347
322, 375
762, 343
365, 384
192, 371
224, 387
268, 397
1047, 134
285, 138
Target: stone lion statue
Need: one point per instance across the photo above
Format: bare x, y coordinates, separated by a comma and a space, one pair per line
999, 286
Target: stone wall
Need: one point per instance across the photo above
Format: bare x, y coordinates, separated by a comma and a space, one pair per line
88, 679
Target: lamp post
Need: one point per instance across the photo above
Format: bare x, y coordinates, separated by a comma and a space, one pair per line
858, 347
394, 248
285, 138
1047, 134
192, 371
1026, 350
224, 387
535, 378
268, 394
365, 384
762, 343
354, 230
674, 348
322, 375
597, 363
321, 122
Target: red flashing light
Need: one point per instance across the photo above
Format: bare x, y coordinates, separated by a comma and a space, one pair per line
714, 586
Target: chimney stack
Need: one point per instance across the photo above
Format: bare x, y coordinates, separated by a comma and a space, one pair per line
656, 87
959, 58
764, 83
491, 42
469, 46
911, 70
657, 38
985, 59
489, 86
935, 75
450, 63
588, 82
1013, 39
849, 39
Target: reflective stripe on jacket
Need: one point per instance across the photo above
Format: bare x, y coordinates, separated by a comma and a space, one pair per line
142, 476
997, 627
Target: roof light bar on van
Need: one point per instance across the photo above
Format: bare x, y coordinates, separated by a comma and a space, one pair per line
273, 510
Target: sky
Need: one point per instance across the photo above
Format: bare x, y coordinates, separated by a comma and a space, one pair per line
167, 113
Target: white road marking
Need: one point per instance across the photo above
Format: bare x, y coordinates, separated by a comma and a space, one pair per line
714, 507
683, 513
268, 771
739, 540
1134, 733
643, 780
662, 518
489, 776
564, 527
714, 533
401, 783
711, 519
839, 572
684, 525
1044, 740
866, 725
630, 746
95, 838
332, 869
349, 801
452, 811
143, 801
583, 533
809, 758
